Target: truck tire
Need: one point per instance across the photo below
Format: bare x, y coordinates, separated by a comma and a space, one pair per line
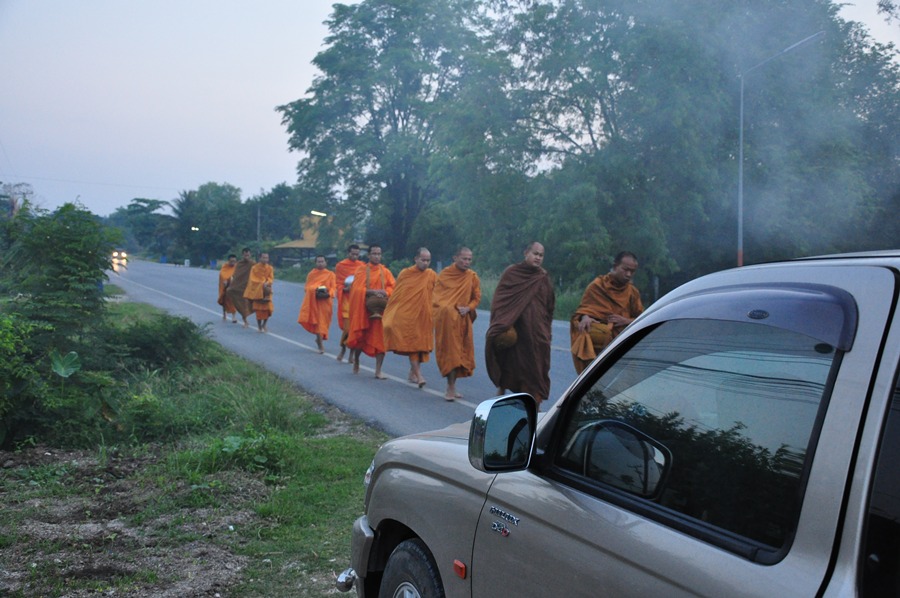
411, 573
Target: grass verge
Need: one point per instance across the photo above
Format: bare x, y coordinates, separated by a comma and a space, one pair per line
233, 483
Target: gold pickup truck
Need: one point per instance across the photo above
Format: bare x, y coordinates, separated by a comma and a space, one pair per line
740, 438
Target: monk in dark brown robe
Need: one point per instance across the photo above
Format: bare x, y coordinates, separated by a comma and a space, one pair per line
238, 285
517, 345
609, 304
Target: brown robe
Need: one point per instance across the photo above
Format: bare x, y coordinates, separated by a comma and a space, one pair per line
523, 299
238, 285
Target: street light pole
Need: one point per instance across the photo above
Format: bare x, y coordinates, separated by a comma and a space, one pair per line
740, 214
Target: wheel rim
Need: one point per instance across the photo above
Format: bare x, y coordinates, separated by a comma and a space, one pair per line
406, 590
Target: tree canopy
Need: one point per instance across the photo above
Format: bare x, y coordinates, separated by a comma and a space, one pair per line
600, 125
593, 126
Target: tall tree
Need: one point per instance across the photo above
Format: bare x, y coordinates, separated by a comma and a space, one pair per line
143, 225
209, 222
366, 129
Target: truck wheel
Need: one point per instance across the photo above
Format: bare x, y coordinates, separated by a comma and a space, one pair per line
411, 573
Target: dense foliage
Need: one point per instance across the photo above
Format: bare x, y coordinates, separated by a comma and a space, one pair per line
590, 125
596, 125
64, 365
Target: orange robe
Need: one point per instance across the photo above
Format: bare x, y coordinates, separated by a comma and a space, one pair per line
259, 290
367, 333
454, 346
342, 270
602, 298
315, 313
225, 275
408, 328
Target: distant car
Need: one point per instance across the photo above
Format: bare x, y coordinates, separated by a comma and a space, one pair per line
119, 256
740, 438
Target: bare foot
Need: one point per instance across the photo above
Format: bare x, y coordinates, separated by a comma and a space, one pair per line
421, 382
448, 396
380, 376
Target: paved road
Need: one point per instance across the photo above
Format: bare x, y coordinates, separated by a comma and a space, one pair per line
392, 405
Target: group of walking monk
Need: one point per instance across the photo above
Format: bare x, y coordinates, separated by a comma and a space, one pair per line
422, 311
413, 315
245, 287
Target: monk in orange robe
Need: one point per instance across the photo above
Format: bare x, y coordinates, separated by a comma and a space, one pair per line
343, 270
608, 305
366, 333
457, 294
259, 291
225, 274
408, 328
238, 285
315, 312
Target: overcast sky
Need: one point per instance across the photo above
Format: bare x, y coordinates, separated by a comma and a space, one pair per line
104, 101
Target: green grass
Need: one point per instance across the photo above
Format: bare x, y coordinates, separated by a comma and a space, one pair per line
217, 452
111, 290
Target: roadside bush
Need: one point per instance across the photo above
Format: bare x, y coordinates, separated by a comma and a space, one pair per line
158, 343
54, 269
15, 369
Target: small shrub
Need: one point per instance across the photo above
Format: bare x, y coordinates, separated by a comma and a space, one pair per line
160, 342
249, 450
15, 369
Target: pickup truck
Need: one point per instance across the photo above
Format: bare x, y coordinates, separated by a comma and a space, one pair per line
740, 438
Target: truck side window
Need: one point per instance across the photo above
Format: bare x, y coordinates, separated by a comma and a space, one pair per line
735, 406
881, 569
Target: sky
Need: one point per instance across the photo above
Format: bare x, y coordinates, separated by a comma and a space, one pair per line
104, 101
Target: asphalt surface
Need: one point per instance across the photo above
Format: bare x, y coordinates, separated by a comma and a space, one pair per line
393, 405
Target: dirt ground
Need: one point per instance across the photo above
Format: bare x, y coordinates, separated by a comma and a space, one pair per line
82, 544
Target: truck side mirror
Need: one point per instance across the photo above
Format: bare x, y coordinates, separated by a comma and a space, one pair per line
502, 433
